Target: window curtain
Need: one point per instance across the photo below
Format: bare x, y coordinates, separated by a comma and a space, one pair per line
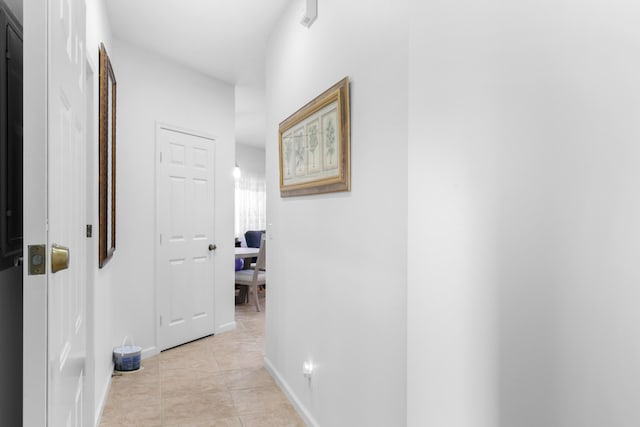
250, 209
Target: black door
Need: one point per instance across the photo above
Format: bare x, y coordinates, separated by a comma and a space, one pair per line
11, 167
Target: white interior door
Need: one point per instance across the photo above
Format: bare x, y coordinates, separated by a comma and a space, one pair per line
54, 119
66, 211
186, 247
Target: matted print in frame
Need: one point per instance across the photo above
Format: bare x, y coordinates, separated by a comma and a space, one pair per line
314, 145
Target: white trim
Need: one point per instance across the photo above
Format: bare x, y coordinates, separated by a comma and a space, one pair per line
103, 397
227, 327
35, 345
187, 131
156, 230
91, 139
295, 402
149, 352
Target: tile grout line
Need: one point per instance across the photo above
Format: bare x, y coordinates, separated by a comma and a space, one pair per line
237, 374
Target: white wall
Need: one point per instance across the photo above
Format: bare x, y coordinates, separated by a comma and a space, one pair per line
250, 115
100, 293
250, 160
337, 262
524, 214
150, 90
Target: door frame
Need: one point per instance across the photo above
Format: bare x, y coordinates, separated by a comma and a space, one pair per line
156, 164
90, 255
35, 312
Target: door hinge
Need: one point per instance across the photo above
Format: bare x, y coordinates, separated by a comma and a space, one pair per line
7, 54
161, 157
160, 320
89, 231
161, 239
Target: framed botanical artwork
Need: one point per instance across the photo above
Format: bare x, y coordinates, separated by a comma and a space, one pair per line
107, 160
314, 145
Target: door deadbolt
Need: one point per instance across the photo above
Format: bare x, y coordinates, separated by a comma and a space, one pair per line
212, 247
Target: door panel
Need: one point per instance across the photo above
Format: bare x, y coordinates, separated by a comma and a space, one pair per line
11, 219
14, 124
66, 211
10, 140
186, 221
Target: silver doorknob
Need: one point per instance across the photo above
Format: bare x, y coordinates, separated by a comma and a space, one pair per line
212, 247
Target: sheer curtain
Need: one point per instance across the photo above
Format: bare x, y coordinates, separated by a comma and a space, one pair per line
250, 209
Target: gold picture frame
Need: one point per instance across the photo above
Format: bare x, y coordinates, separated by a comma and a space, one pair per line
107, 160
314, 145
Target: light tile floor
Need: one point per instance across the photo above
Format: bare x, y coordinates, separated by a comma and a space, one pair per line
216, 381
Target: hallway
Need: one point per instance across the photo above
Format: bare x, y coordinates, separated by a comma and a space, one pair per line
215, 381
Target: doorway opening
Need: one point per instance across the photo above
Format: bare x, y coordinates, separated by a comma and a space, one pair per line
11, 221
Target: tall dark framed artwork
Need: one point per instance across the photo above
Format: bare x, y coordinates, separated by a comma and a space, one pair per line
107, 159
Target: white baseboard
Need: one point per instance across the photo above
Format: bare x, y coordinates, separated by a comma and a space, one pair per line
103, 396
297, 405
149, 352
226, 327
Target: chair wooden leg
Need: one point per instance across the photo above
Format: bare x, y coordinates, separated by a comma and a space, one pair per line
255, 296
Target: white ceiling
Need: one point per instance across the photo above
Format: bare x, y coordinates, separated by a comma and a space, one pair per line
225, 39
